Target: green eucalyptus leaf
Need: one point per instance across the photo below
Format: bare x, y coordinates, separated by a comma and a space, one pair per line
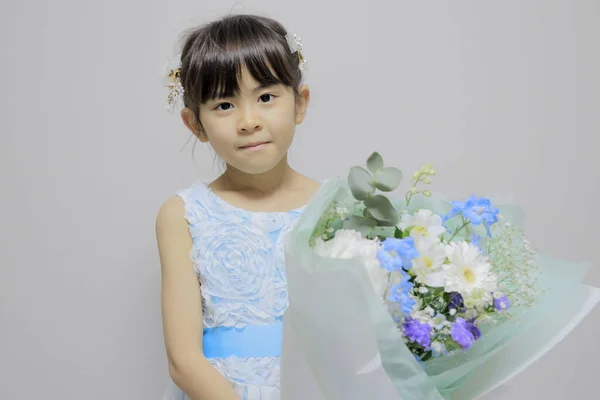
383, 231
362, 225
381, 209
337, 224
375, 162
360, 182
388, 179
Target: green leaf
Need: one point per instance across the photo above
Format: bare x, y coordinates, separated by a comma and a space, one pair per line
375, 162
336, 224
360, 182
397, 233
381, 209
362, 225
383, 231
388, 179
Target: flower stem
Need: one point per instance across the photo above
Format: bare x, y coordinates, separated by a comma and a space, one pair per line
464, 225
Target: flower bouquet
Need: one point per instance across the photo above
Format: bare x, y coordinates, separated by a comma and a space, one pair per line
417, 297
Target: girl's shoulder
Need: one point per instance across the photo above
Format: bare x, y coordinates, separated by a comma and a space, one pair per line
198, 202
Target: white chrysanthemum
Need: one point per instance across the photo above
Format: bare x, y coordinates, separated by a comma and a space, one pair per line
425, 223
468, 271
428, 266
348, 243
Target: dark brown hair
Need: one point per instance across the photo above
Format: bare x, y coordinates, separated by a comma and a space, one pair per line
214, 55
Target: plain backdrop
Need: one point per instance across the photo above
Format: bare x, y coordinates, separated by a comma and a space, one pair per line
503, 97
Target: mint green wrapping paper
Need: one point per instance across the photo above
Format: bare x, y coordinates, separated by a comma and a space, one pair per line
339, 341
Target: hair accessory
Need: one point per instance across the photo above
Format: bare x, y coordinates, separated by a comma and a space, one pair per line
295, 43
173, 83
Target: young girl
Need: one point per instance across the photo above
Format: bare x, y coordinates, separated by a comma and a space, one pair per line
224, 290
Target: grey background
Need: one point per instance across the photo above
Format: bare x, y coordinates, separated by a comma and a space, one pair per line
501, 96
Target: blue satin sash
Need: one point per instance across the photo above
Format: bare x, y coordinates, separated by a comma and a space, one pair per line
248, 341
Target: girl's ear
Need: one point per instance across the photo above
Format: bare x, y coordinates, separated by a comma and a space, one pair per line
189, 119
302, 100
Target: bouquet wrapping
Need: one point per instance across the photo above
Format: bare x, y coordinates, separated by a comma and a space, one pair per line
418, 297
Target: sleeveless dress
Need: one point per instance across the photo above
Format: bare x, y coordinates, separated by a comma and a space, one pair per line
238, 256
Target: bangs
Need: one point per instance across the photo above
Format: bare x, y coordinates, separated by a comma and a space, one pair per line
214, 64
221, 74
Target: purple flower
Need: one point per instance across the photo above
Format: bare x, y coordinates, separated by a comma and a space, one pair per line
397, 254
501, 303
400, 294
456, 302
462, 333
474, 329
417, 332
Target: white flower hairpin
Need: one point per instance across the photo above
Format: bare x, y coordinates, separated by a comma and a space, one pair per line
173, 83
295, 43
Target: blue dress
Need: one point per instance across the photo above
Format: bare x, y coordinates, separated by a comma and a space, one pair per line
238, 257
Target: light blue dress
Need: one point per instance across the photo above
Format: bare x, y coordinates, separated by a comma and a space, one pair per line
239, 260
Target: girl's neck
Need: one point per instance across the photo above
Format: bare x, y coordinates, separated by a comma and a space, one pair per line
280, 177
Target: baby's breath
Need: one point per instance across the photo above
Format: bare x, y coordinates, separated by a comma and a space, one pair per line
515, 263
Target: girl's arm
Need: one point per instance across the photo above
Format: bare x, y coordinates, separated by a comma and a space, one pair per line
182, 310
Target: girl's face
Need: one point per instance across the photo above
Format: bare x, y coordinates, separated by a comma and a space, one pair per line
253, 130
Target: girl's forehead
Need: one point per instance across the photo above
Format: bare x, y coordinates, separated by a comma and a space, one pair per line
246, 80
248, 83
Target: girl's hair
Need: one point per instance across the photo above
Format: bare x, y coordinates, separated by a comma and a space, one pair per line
214, 55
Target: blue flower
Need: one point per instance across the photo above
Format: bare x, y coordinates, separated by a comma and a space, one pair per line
476, 210
501, 303
464, 333
417, 332
476, 240
399, 294
397, 254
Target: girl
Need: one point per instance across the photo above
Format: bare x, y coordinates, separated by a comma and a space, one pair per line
221, 245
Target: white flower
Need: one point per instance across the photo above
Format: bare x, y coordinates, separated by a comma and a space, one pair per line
438, 349
470, 314
342, 212
418, 301
428, 266
422, 316
479, 299
426, 224
468, 271
483, 319
439, 321
348, 243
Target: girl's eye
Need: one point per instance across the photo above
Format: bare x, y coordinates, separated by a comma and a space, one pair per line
224, 106
265, 98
